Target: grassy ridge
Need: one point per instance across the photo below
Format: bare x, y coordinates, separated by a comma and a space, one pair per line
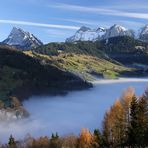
86, 66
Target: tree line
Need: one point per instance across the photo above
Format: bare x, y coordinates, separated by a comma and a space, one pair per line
125, 125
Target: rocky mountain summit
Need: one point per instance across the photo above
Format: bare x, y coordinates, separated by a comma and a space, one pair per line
22, 39
87, 34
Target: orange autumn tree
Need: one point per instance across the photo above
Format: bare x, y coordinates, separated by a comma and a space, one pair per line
85, 139
116, 120
114, 124
42, 142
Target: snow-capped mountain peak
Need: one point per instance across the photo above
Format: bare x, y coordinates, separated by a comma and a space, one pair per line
143, 35
21, 38
144, 30
86, 34
116, 30
84, 29
118, 27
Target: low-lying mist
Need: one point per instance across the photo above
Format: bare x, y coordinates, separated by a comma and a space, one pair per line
68, 114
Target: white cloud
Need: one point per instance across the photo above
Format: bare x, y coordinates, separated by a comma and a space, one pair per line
39, 24
98, 10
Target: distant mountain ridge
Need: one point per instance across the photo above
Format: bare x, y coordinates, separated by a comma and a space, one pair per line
88, 34
25, 40
22, 39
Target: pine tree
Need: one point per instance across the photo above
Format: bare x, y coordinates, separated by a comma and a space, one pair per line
133, 129
12, 143
54, 140
143, 121
97, 139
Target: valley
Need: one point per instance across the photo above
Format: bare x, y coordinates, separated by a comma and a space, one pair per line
70, 113
66, 79
74, 74
75, 65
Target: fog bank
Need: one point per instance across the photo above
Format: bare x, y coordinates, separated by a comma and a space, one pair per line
68, 114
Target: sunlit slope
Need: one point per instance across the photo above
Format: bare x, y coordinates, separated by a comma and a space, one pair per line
86, 66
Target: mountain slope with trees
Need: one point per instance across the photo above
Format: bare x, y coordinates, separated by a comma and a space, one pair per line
121, 50
22, 75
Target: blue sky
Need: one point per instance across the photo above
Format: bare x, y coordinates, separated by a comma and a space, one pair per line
55, 20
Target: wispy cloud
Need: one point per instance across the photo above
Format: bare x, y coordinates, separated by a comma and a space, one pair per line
79, 21
128, 7
131, 23
77, 8
98, 10
39, 24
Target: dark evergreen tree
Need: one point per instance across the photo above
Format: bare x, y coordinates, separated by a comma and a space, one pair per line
133, 130
12, 143
97, 139
143, 121
54, 140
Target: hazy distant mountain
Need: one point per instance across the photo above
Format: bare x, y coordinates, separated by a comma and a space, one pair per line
87, 34
20, 38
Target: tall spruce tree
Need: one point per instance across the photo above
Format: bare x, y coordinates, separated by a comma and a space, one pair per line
97, 139
143, 121
133, 130
12, 143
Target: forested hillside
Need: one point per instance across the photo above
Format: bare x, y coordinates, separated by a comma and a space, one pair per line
22, 75
121, 50
120, 44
